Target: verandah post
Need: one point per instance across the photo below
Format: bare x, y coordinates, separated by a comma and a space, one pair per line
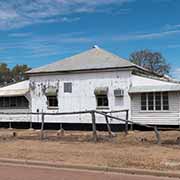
94, 126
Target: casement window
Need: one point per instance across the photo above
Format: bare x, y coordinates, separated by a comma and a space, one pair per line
143, 102
52, 97
14, 102
52, 101
102, 101
101, 94
165, 101
158, 101
150, 101
68, 87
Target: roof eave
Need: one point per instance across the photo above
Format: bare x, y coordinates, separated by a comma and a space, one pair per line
81, 71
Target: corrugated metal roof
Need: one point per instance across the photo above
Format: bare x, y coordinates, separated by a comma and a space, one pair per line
157, 88
95, 58
145, 84
148, 81
17, 89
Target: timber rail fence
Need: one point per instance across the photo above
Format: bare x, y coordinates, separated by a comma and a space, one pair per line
107, 115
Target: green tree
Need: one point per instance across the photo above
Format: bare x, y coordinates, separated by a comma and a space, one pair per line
5, 74
153, 61
18, 72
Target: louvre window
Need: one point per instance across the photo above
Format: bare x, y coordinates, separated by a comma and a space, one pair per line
155, 101
68, 87
14, 102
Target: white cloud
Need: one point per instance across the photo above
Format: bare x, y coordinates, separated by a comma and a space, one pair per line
18, 35
42, 45
19, 13
173, 46
7, 14
66, 19
171, 27
142, 36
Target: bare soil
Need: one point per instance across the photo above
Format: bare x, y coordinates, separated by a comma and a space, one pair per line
136, 150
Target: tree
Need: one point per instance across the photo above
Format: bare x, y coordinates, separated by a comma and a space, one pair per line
5, 74
18, 72
153, 61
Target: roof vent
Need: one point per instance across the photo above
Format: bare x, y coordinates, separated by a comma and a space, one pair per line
96, 46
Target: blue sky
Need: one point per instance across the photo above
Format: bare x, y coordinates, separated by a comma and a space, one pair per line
38, 32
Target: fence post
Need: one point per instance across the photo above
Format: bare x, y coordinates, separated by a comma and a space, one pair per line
42, 127
30, 125
157, 135
61, 130
126, 123
108, 127
94, 126
10, 125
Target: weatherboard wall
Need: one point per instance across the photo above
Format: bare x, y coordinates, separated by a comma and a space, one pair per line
170, 117
82, 97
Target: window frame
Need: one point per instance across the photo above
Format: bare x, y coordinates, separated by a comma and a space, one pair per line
165, 100
163, 107
67, 87
52, 106
20, 102
103, 106
143, 102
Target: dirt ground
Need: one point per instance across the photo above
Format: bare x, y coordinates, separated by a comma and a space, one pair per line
136, 150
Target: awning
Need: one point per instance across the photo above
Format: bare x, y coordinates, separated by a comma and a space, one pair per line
17, 92
16, 89
162, 88
101, 91
51, 91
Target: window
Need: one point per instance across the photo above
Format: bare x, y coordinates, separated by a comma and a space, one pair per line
158, 101
14, 102
52, 101
143, 102
165, 101
102, 101
150, 101
155, 101
68, 87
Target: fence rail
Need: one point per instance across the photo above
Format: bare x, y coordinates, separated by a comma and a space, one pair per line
93, 114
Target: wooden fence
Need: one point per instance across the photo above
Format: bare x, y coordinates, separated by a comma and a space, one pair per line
107, 115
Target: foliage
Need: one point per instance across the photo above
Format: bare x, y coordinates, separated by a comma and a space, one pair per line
153, 61
16, 74
5, 74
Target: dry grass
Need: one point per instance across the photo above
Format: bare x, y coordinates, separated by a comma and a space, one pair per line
78, 148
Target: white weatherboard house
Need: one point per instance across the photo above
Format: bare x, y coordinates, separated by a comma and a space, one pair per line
94, 80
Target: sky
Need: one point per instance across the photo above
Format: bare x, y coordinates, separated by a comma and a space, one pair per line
38, 32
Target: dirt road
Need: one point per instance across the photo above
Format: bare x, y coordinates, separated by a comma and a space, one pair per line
13, 172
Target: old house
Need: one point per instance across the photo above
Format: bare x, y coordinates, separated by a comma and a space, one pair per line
97, 79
